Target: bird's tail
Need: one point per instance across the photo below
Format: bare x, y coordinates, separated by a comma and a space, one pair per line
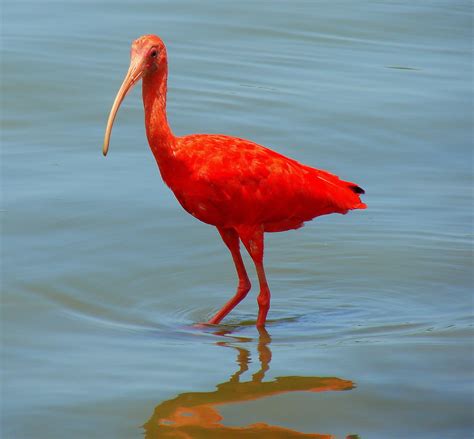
358, 191
344, 195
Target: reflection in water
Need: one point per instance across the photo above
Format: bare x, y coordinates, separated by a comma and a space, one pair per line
196, 415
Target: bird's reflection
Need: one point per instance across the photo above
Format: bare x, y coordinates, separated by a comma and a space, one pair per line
196, 414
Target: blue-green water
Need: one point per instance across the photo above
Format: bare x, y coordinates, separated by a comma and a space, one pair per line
104, 274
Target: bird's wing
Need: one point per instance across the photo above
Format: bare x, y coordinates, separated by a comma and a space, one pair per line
250, 180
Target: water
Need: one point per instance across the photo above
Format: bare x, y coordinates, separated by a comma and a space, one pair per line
105, 276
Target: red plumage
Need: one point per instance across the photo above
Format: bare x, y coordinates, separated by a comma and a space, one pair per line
242, 188
228, 182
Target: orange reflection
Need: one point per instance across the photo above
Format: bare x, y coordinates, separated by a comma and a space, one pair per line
195, 415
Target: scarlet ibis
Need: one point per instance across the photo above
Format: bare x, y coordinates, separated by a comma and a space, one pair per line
240, 187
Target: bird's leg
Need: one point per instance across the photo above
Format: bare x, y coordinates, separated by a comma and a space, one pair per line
253, 241
231, 240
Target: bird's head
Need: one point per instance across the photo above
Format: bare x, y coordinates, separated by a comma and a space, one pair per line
147, 54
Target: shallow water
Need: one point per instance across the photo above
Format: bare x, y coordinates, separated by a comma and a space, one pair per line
105, 276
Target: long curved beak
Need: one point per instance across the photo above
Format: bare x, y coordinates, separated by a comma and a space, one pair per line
135, 72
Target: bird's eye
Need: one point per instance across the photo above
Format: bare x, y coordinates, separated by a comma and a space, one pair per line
153, 53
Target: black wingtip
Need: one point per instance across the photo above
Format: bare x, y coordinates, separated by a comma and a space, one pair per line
357, 189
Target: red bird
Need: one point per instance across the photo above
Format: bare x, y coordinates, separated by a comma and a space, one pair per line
242, 188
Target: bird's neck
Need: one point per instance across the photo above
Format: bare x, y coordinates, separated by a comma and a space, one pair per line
159, 134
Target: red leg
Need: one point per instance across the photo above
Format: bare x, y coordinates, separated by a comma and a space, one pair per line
231, 240
253, 241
